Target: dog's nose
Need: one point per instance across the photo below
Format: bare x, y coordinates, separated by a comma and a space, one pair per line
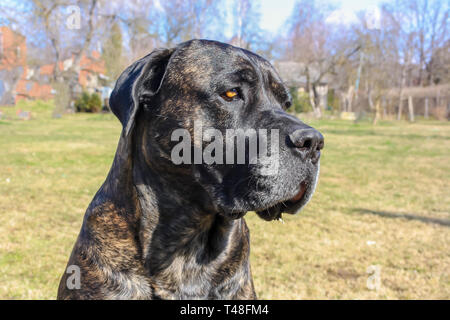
308, 142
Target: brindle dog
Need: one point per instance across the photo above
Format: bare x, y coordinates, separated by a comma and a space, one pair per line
156, 230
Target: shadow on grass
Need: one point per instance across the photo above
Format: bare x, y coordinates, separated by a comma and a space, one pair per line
393, 215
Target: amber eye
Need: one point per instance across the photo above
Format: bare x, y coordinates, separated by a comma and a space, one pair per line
230, 94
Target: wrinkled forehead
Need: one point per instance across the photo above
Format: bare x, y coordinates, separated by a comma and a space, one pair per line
202, 63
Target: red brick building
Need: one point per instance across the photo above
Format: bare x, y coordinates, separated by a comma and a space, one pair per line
92, 69
13, 64
18, 81
13, 49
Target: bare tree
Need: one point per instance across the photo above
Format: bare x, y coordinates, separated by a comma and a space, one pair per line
420, 27
246, 30
312, 44
52, 19
429, 22
48, 17
378, 69
409, 48
112, 52
181, 20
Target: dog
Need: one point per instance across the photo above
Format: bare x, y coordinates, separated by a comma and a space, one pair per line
160, 230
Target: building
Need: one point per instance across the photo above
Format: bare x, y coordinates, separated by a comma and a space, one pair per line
13, 65
91, 74
19, 81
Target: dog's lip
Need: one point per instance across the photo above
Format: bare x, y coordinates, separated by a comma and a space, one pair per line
290, 206
299, 194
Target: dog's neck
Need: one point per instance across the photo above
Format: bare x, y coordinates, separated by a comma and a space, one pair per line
174, 223
183, 249
186, 249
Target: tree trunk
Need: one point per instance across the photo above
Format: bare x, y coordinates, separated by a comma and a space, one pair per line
402, 85
322, 93
316, 98
410, 109
350, 98
316, 108
400, 107
312, 101
426, 109
369, 97
377, 112
312, 94
74, 71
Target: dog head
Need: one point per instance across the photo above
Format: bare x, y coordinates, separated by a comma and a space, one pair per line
211, 118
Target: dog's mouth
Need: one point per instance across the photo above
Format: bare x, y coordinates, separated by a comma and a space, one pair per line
291, 205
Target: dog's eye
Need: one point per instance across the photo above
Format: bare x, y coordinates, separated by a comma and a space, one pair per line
231, 94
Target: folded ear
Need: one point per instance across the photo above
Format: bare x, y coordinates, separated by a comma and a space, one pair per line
137, 85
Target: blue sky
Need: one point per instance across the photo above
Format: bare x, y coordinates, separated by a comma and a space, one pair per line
275, 12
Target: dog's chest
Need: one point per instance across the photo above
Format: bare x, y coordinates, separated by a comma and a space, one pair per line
185, 278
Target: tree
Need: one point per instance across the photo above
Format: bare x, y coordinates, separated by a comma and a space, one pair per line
246, 30
428, 22
51, 18
181, 20
378, 60
419, 28
439, 64
112, 52
313, 44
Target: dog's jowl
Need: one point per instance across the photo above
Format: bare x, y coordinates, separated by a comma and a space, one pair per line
199, 122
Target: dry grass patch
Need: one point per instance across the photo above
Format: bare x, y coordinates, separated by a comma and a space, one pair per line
382, 200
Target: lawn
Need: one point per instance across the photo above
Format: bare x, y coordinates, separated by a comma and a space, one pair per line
382, 203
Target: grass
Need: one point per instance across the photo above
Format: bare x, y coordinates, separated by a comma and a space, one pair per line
383, 199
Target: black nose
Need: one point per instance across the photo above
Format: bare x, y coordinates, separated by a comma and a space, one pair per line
308, 142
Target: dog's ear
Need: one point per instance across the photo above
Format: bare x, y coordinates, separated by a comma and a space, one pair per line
137, 85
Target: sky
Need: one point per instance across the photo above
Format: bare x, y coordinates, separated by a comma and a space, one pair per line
275, 12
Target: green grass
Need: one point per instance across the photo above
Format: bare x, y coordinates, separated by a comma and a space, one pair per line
388, 184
